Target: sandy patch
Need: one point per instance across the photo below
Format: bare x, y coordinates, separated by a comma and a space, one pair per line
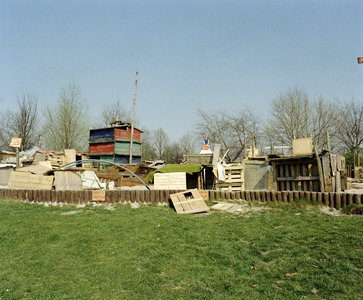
109, 207
332, 211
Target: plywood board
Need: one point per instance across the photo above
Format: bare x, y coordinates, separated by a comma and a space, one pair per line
188, 202
18, 180
27, 180
302, 146
69, 156
39, 182
5, 172
90, 180
35, 169
68, 180
170, 181
217, 148
256, 175
46, 164
222, 206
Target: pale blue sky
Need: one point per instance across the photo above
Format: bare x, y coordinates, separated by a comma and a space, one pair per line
189, 54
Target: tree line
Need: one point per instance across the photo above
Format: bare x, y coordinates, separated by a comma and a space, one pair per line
292, 114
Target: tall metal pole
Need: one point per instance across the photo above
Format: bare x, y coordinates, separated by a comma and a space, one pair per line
132, 122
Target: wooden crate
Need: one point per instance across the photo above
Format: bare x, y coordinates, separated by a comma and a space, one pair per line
234, 179
188, 202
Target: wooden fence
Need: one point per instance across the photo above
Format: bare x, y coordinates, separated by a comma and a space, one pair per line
334, 200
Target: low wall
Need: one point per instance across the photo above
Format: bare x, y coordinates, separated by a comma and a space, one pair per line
334, 200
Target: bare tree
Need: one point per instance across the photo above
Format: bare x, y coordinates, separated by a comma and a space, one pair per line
189, 143
67, 123
294, 115
160, 142
228, 129
350, 129
22, 123
148, 150
113, 112
289, 115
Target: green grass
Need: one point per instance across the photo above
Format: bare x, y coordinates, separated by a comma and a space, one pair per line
353, 209
153, 253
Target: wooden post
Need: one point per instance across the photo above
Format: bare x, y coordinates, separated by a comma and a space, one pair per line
328, 140
338, 200
320, 170
132, 123
17, 158
245, 144
253, 145
338, 187
326, 199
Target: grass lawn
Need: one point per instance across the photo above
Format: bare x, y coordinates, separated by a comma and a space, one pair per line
288, 252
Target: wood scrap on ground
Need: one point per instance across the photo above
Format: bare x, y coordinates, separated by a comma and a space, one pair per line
189, 202
222, 206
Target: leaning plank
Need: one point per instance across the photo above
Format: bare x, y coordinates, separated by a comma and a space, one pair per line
18, 180
320, 170
68, 180
40, 182
188, 202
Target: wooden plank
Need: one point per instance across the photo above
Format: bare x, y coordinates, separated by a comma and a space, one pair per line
287, 174
320, 170
282, 174
298, 178
315, 172
18, 180
69, 156
222, 206
216, 153
305, 184
327, 173
338, 187
40, 182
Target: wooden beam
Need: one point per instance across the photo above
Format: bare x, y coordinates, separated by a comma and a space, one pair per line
320, 169
298, 178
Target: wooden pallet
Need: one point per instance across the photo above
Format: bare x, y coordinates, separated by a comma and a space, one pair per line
234, 179
188, 202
